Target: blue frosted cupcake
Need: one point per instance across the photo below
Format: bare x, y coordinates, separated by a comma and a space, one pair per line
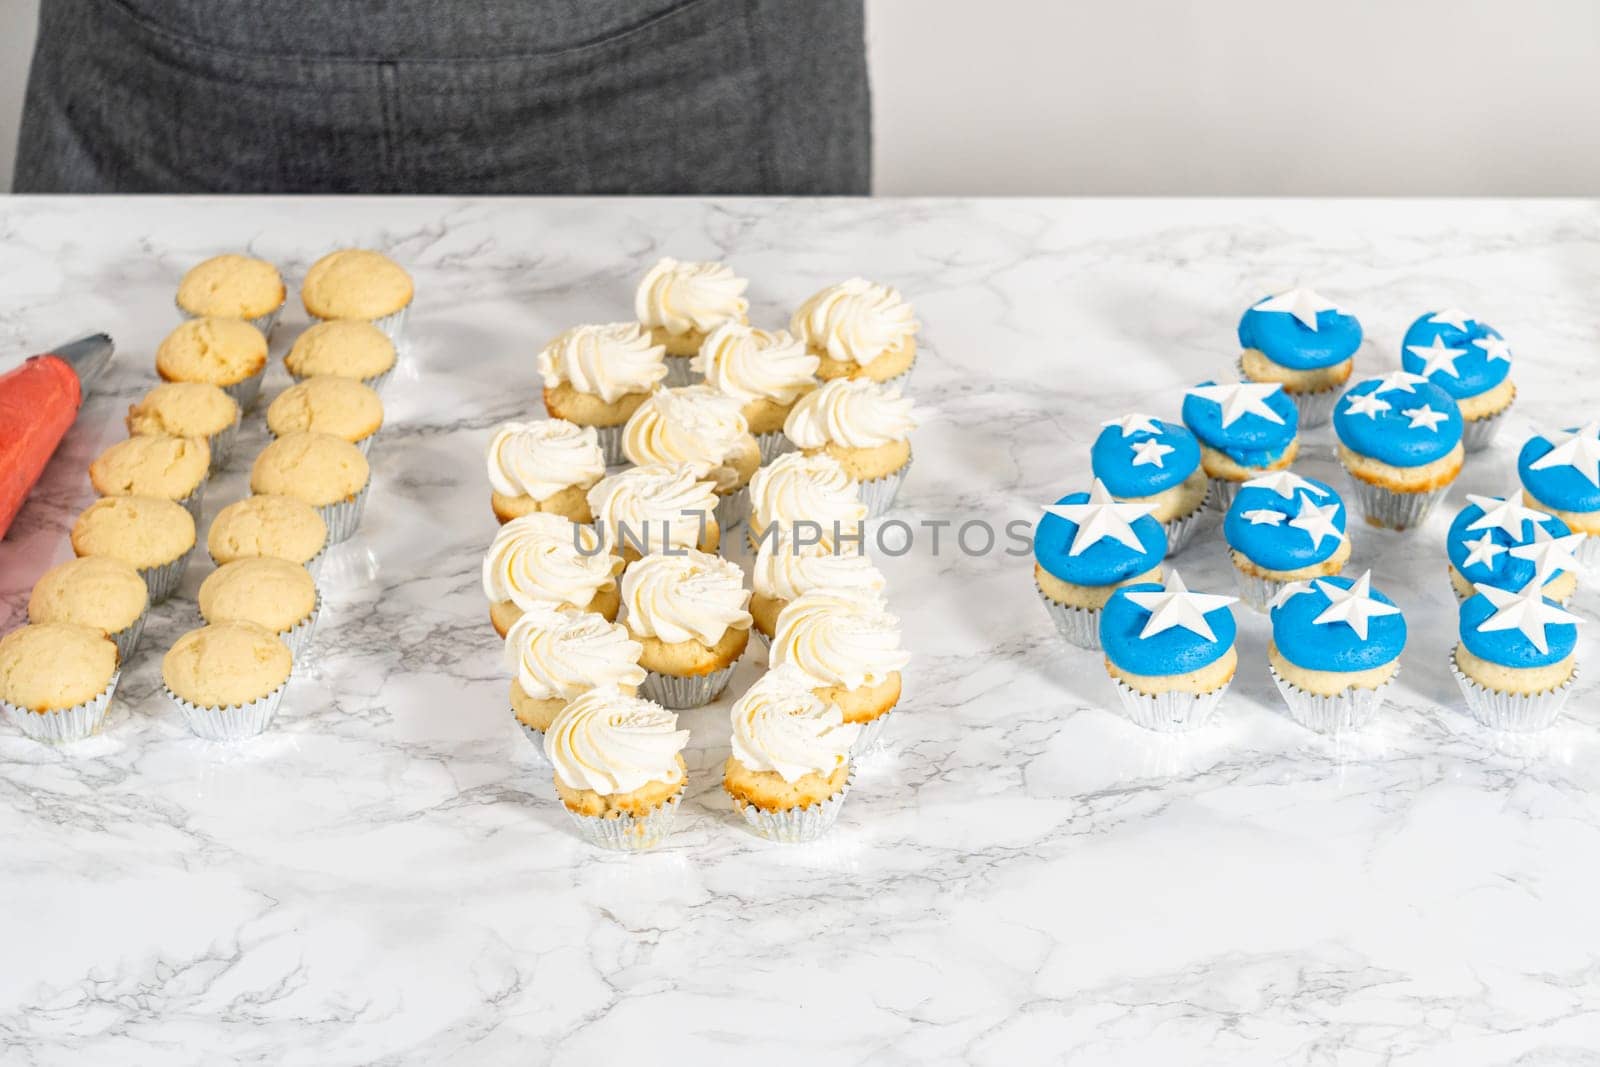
1085, 546
1303, 342
1246, 429
1149, 461
1517, 657
1561, 474
1283, 528
1502, 542
1469, 360
1169, 651
1335, 648
1400, 441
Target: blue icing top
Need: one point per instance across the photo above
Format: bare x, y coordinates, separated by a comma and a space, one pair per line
1335, 645
1475, 371
1251, 440
1274, 543
1288, 342
1392, 436
1511, 647
1116, 459
1174, 650
1503, 570
1105, 562
1561, 487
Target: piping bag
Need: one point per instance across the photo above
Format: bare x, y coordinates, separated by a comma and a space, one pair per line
38, 402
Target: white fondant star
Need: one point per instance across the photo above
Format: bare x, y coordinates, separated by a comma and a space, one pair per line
1508, 513
1425, 418
1101, 517
1550, 555
1353, 606
1483, 550
1526, 610
1494, 348
1132, 424
1284, 483
1240, 399
1176, 606
1149, 452
1317, 521
1398, 381
1437, 357
1367, 404
1580, 451
1451, 317
1288, 592
1265, 517
1303, 304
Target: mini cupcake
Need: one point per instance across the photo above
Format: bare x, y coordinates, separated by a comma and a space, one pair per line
325, 471
1561, 474
1085, 546
188, 409
556, 656
546, 559
766, 372
1516, 658
1469, 360
56, 680
848, 646
273, 593
1302, 341
806, 487
1400, 442
1169, 651
342, 348
1502, 542
171, 468
233, 287
696, 425
151, 535
681, 303
100, 592
786, 568
228, 353
790, 767
598, 376
279, 527
866, 427
355, 283
342, 407
859, 329
548, 466
659, 507
1148, 461
1246, 429
690, 613
1283, 528
1335, 648
227, 679
619, 768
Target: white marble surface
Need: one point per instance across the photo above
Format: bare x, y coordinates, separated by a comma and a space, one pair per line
386, 877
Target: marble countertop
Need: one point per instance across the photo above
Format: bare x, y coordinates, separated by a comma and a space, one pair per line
387, 877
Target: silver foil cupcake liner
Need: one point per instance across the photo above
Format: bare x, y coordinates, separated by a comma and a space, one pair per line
236, 722
1180, 531
679, 373
679, 692
194, 502
1349, 710
795, 826
535, 738
869, 739
1168, 712
1312, 409
344, 518
1220, 496
163, 581
65, 725
221, 445
1519, 713
1392, 510
629, 833
878, 493
246, 391
1479, 434
264, 323
1256, 591
127, 638
1078, 626
298, 637
609, 438
732, 509
773, 445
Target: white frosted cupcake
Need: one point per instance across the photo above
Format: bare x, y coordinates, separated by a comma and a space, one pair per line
848, 644
786, 568
701, 427
658, 507
806, 488
557, 655
859, 329
866, 427
546, 466
598, 375
681, 303
690, 613
545, 559
766, 372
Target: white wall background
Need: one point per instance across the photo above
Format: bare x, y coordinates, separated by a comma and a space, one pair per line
1178, 96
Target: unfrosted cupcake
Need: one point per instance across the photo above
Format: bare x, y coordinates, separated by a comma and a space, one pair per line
357, 283
598, 376
233, 287
325, 471
1502, 542
549, 466
859, 329
151, 535
1400, 442
56, 680
1305, 343
100, 592
342, 407
171, 468
228, 353
1084, 547
227, 679
810, 488
1283, 528
273, 593
866, 427
1560, 473
765, 372
790, 766
848, 645
546, 559
1170, 652
188, 409
1516, 658
1335, 648
1245, 429
689, 612
1469, 360
1149, 461
557, 655
280, 527
681, 303
659, 507
786, 568
342, 348
696, 425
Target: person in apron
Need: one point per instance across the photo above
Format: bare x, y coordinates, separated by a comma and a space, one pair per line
418, 96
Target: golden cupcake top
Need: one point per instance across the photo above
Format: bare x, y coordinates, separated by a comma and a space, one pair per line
168, 467
343, 407
282, 527
100, 592
851, 413
680, 297
270, 592
55, 665
855, 321
319, 468
609, 743
182, 409
692, 596
780, 726
344, 348
226, 664
142, 531
694, 425
355, 283
232, 286
608, 360
214, 350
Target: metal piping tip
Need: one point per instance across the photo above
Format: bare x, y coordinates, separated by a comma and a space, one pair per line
87, 356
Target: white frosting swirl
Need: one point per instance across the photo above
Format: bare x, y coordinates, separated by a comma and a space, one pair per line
780, 726
662, 505
853, 413
750, 364
536, 559
800, 486
786, 572
608, 361
560, 654
855, 321
540, 459
689, 597
693, 424
679, 296
608, 742
839, 638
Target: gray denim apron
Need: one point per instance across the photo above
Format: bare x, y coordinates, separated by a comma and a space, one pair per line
435, 96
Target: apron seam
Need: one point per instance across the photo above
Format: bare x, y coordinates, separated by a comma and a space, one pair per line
764, 155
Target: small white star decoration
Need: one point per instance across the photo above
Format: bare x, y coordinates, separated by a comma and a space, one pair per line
1452, 317
1399, 381
1284, 483
1494, 348
1437, 357
1101, 517
1132, 424
1484, 550
1368, 404
1354, 606
1425, 418
1317, 520
1303, 304
1550, 555
1239, 399
1579, 450
1525, 610
1265, 517
1175, 606
1506, 513
1148, 452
